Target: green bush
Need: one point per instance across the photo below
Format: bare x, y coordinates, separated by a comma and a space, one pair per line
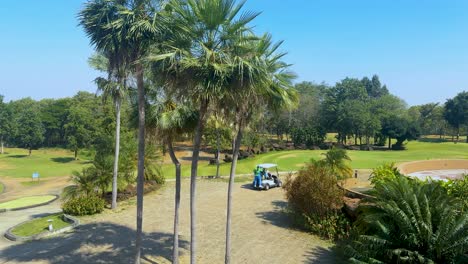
315, 197
458, 189
384, 173
84, 205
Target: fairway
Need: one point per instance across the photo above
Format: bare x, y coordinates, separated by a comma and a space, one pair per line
47, 162
26, 201
293, 160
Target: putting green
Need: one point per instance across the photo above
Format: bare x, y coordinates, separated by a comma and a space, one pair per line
39, 225
26, 201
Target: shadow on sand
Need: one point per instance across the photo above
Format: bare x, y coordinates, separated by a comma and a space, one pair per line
93, 243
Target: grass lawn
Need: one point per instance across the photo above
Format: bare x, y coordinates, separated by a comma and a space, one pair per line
294, 159
47, 162
40, 225
1, 188
26, 201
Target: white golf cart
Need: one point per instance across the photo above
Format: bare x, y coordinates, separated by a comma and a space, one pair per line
269, 180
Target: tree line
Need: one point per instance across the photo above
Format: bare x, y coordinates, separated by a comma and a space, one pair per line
364, 112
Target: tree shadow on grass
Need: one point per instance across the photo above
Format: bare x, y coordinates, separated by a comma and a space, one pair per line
62, 159
18, 156
93, 243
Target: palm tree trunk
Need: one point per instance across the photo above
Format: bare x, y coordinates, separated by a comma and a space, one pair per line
30, 151
193, 179
116, 153
175, 250
141, 159
76, 153
389, 142
217, 153
232, 174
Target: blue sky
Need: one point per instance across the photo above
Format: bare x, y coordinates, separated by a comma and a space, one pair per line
418, 48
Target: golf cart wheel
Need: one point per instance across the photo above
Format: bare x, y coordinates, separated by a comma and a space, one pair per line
280, 184
267, 187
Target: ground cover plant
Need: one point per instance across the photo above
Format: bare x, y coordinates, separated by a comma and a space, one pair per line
40, 225
410, 221
26, 201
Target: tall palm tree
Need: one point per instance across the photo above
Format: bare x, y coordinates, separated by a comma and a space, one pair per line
128, 27
258, 77
170, 120
200, 69
114, 87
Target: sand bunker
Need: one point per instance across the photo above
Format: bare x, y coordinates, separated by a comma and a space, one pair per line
435, 169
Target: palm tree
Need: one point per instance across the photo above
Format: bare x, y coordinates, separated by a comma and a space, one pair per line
84, 184
127, 28
336, 159
117, 90
258, 76
410, 221
200, 68
171, 120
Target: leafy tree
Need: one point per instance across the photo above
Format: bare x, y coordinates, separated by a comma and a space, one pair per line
30, 131
456, 112
53, 115
5, 123
412, 222
80, 124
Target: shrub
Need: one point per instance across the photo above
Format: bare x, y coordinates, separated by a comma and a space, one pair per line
410, 221
84, 205
315, 196
458, 189
384, 173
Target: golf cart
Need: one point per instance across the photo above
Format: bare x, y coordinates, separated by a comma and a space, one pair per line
269, 180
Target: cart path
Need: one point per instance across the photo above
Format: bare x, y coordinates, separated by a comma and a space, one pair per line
261, 232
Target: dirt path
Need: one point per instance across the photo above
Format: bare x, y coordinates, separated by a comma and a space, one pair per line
14, 189
262, 233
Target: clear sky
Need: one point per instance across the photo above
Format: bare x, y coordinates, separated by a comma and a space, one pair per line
418, 48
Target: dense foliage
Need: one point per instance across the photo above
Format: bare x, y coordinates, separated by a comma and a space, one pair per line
315, 197
84, 205
409, 221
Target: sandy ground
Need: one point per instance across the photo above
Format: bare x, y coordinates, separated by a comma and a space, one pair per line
14, 189
262, 232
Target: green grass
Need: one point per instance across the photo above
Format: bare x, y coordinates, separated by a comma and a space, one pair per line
47, 162
26, 201
295, 159
1, 188
40, 225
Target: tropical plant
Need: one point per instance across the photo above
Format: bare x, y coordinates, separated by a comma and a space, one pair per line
84, 184
127, 28
337, 160
383, 173
200, 63
115, 87
171, 120
458, 188
409, 221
